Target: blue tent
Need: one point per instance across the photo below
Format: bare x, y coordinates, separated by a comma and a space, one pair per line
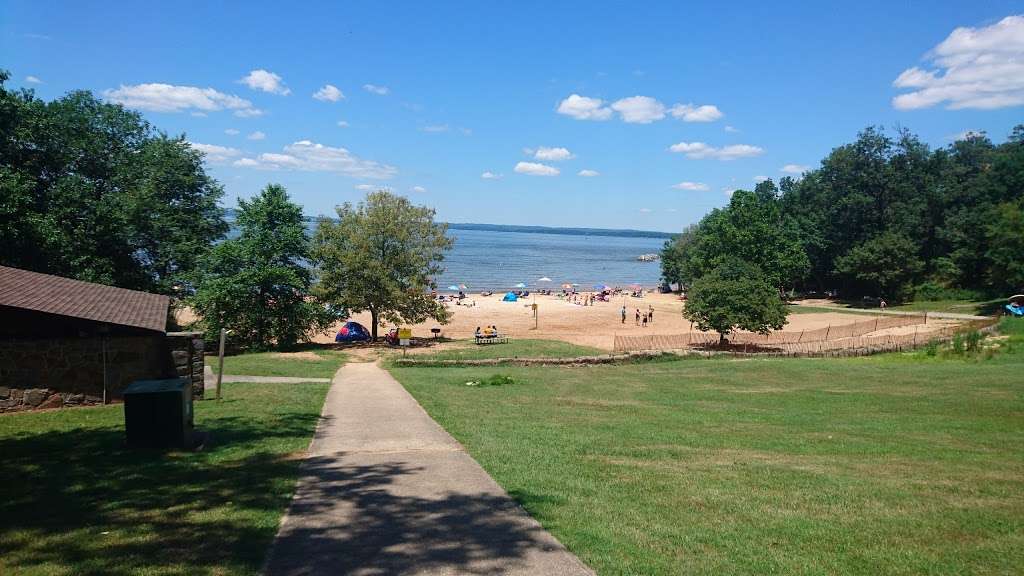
352, 332
510, 297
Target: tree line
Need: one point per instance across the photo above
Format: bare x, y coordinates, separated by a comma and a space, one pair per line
91, 191
884, 216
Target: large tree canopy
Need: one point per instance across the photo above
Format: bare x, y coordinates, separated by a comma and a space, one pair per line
735, 295
258, 284
90, 190
382, 255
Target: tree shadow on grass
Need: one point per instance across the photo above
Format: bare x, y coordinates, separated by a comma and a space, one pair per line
80, 501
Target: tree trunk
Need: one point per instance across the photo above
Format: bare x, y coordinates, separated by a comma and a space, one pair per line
373, 324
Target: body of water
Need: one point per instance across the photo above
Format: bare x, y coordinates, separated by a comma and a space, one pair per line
490, 260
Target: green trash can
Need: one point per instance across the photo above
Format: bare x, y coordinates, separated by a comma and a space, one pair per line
158, 414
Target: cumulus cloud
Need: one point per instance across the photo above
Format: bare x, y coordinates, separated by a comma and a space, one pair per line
729, 191
245, 163
758, 179
33, 80
366, 187
794, 168
691, 113
374, 89
550, 154
645, 210
328, 93
584, 108
215, 154
697, 186
435, 128
158, 97
342, 124
586, 173
418, 189
731, 128
257, 135
700, 151
309, 156
265, 81
488, 175
639, 109
980, 68
231, 132
536, 169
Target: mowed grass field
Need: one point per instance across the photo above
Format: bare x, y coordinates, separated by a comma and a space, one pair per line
514, 348
880, 465
316, 362
75, 501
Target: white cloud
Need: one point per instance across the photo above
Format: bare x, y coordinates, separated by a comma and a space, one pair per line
466, 131
265, 81
536, 169
980, 68
731, 129
639, 109
158, 97
257, 135
374, 89
231, 132
418, 189
328, 93
488, 175
198, 114
366, 187
245, 163
313, 157
691, 113
586, 173
700, 151
794, 168
342, 124
645, 210
215, 154
698, 186
584, 108
758, 179
435, 128
728, 191
964, 135
670, 210
33, 80
550, 154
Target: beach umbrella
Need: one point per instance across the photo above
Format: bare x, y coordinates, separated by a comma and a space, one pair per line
521, 285
635, 287
566, 285
600, 286
462, 286
544, 279
453, 287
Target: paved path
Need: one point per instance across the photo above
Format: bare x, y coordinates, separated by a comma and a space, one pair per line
385, 490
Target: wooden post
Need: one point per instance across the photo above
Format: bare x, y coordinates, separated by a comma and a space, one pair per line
220, 362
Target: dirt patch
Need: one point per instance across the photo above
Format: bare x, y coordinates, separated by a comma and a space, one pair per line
304, 355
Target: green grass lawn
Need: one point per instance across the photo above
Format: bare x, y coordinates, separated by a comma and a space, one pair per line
313, 363
77, 502
521, 348
976, 307
897, 464
801, 309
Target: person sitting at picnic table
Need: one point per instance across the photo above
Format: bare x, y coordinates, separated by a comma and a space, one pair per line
490, 332
477, 333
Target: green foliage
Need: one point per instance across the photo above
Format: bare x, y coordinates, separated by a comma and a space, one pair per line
1005, 237
886, 265
735, 295
382, 256
257, 285
492, 380
90, 190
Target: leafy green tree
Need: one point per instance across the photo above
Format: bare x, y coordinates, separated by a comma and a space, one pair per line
258, 284
91, 191
885, 265
382, 255
735, 295
1005, 235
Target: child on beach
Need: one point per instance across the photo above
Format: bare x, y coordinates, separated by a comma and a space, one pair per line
645, 321
637, 316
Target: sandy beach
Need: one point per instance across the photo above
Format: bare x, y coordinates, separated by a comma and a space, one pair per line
595, 325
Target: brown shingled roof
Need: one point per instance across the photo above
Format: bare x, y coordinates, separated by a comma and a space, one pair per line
67, 297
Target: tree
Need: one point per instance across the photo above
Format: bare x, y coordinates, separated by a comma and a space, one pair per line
735, 295
90, 190
1005, 236
885, 265
381, 255
258, 284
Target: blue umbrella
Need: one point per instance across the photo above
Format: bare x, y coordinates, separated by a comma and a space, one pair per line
453, 287
520, 285
600, 286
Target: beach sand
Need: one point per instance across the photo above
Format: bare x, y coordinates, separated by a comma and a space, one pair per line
594, 326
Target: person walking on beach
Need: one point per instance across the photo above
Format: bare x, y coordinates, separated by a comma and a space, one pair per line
623, 313
650, 313
637, 316
645, 321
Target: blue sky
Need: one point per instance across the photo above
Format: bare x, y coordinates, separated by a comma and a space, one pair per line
429, 97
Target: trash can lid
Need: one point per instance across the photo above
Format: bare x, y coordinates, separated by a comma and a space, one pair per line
151, 386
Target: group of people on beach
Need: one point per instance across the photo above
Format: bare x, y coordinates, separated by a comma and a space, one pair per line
488, 332
641, 319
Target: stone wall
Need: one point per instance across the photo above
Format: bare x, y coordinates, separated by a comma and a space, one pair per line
56, 372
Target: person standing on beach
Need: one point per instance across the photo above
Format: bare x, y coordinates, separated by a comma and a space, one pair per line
645, 321
650, 313
637, 316
623, 313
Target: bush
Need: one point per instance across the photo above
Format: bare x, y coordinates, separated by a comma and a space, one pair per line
493, 380
931, 291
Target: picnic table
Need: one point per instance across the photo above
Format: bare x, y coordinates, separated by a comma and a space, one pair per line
492, 339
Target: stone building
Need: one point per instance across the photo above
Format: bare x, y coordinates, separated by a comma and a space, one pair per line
66, 342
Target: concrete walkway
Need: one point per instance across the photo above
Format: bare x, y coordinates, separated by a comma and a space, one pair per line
385, 490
